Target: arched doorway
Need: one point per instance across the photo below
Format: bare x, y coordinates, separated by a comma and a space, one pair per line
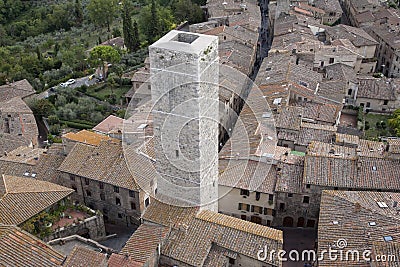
300, 222
288, 222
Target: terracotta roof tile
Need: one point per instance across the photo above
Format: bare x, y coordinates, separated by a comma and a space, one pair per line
26, 197
143, 244
19, 248
335, 222
88, 137
82, 257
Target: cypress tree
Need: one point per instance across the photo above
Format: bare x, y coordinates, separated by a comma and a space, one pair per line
136, 40
78, 12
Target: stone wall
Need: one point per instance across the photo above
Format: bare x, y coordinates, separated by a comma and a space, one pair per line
93, 227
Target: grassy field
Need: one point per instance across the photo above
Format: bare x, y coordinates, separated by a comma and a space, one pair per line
374, 130
103, 92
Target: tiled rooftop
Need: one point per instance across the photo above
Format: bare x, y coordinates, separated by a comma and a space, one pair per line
193, 243
365, 167
250, 175
19, 248
357, 36
108, 124
26, 197
82, 256
88, 137
143, 244
105, 163
374, 215
375, 88
20, 89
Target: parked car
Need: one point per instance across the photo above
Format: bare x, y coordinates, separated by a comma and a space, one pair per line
63, 84
70, 81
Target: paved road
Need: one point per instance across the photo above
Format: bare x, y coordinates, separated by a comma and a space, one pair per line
83, 81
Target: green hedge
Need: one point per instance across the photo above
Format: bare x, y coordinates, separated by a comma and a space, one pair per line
78, 125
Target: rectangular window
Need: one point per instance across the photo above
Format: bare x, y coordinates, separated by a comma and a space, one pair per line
290, 195
120, 215
257, 209
116, 189
282, 206
331, 60
271, 197
306, 199
102, 196
231, 261
117, 201
349, 92
244, 192
243, 206
101, 185
258, 195
368, 104
243, 217
72, 177
308, 185
88, 193
133, 206
87, 181
147, 202
131, 193
385, 102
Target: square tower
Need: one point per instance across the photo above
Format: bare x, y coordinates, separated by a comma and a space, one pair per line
184, 88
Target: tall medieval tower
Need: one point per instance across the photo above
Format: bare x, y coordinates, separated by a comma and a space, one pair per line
184, 87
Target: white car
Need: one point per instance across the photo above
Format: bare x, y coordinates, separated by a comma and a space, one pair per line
70, 81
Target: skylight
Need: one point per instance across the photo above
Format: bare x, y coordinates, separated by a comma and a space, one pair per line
388, 238
382, 204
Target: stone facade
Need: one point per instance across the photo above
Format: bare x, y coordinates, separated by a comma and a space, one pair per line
256, 207
297, 209
118, 205
184, 87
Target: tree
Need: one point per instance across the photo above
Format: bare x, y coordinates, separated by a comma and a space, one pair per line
102, 12
394, 122
136, 39
41, 107
131, 34
155, 21
101, 55
187, 10
78, 12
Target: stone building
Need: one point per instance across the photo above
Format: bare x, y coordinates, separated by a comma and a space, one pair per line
102, 181
377, 94
365, 45
388, 51
180, 236
246, 191
187, 162
17, 123
295, 205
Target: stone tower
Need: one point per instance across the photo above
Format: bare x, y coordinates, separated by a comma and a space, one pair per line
184, 87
